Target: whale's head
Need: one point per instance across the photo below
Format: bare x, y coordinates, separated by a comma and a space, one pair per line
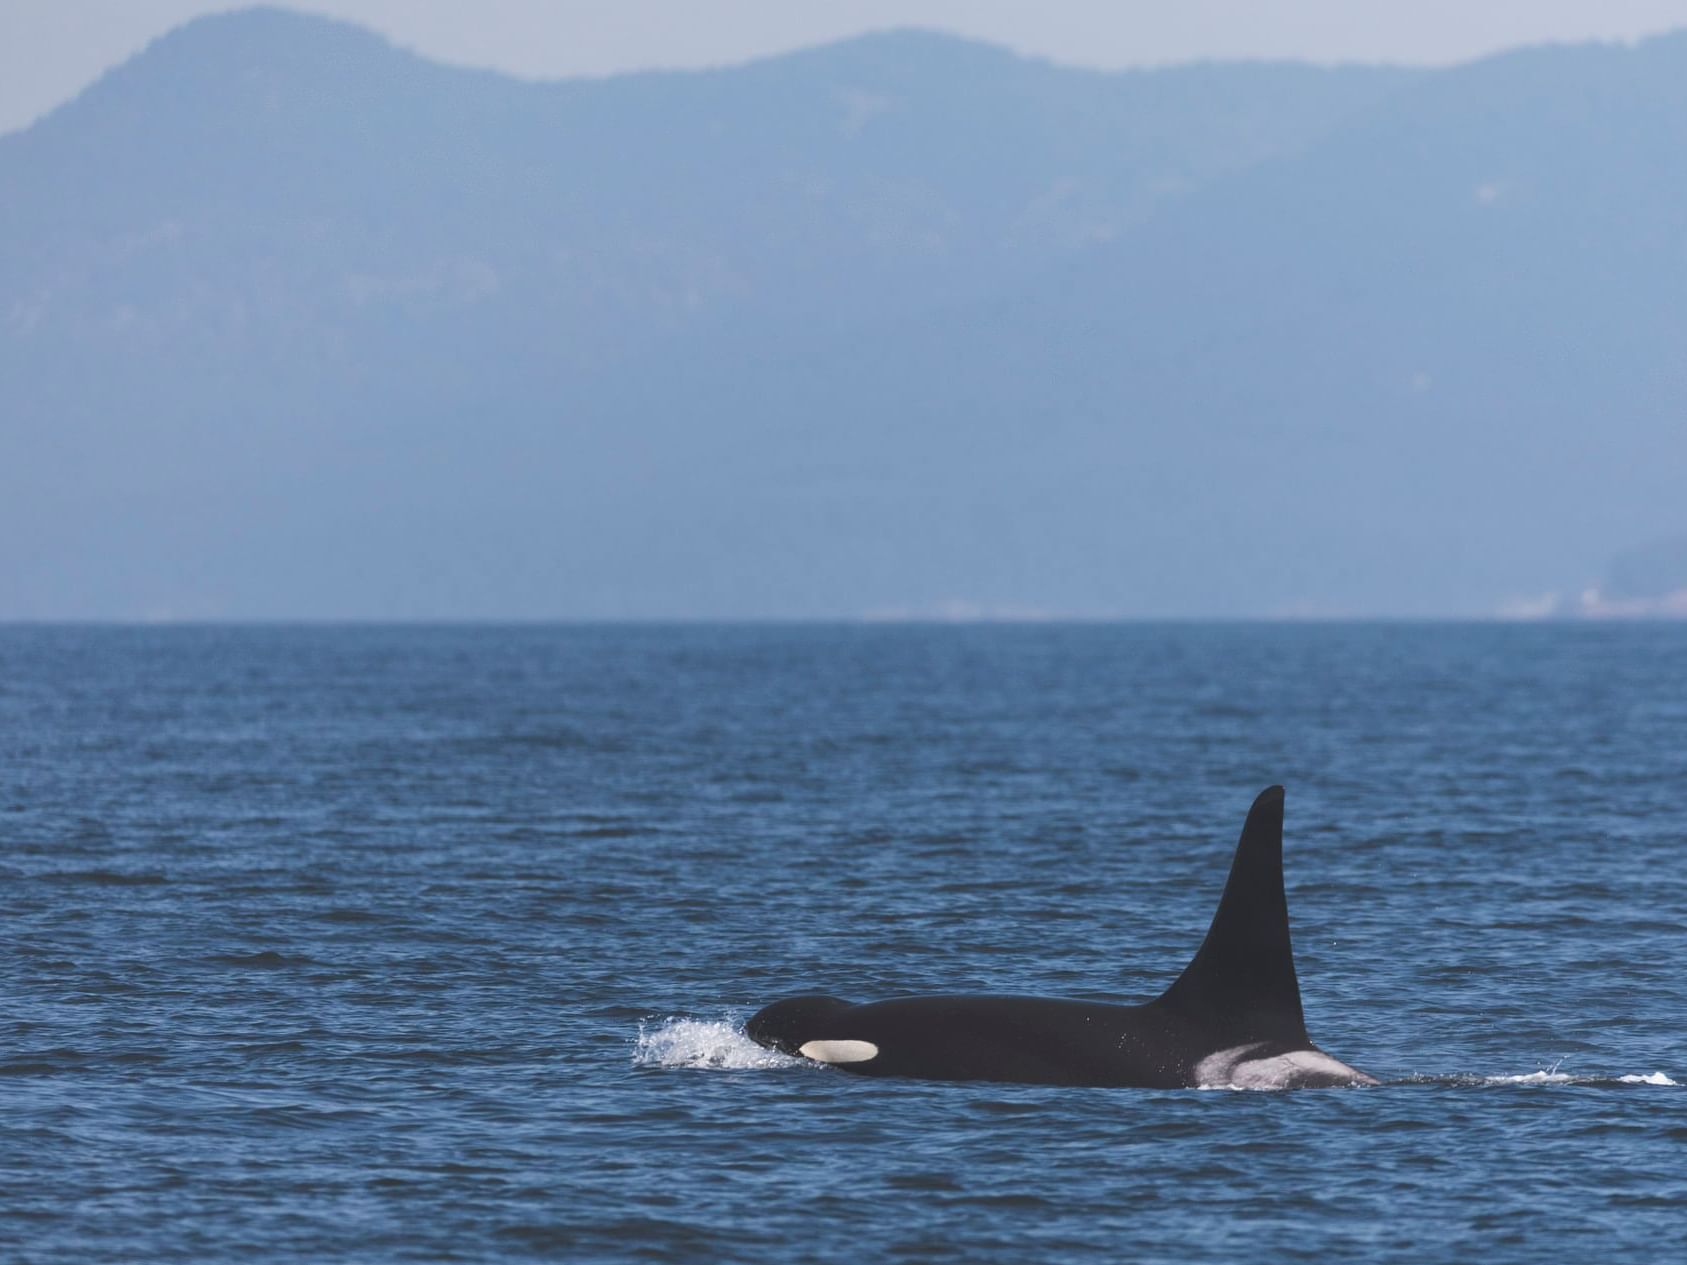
788, 1025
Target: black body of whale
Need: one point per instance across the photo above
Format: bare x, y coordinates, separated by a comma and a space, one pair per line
1232, 1018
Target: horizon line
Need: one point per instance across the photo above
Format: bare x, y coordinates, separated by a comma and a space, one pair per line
815, 621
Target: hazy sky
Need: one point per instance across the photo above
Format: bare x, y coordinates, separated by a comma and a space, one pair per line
50, 49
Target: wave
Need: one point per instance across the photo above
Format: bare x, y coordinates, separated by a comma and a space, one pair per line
714, 1044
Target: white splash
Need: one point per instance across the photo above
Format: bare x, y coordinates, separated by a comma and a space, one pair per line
1655, 1078
712, 1044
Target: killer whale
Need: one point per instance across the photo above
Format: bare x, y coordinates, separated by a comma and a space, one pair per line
1232, 1018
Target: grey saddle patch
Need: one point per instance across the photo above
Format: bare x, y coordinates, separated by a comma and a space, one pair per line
1293, 1069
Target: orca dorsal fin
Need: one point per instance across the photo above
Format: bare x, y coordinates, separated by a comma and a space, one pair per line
1241, 982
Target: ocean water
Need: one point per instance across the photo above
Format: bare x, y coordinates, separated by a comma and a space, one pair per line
383, 944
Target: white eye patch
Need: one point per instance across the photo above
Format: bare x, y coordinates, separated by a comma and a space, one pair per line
839, 1051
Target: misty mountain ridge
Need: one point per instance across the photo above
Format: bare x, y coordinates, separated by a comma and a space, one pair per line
293, 323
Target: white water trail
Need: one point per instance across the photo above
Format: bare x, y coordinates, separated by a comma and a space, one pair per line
1553, 1076
1654, 1078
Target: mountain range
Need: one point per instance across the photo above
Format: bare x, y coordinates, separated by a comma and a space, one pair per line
295, 324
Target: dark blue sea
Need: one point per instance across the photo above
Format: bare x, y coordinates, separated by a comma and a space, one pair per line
432, 944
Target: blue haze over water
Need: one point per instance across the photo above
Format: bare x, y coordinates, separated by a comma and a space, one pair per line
296, 323
429, 944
